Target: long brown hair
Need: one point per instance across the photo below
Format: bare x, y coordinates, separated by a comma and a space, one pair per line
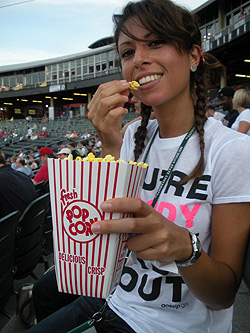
173, 24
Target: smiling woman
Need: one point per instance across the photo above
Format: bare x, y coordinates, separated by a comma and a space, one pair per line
187, 200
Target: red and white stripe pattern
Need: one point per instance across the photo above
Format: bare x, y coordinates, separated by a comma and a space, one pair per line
89, 265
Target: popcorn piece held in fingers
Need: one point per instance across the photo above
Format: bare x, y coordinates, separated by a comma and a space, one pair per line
134, 85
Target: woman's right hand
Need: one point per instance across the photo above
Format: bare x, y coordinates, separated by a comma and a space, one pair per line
105, 113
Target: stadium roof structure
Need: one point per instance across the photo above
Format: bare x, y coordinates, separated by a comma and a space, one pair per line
101, 42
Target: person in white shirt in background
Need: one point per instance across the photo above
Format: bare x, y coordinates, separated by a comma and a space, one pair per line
210, 112
241, 102
29, 133
83, 146
32, 162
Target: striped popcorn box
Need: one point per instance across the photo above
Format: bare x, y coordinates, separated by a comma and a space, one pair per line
85, 263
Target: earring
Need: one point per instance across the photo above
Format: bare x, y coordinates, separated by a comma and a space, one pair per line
193, 68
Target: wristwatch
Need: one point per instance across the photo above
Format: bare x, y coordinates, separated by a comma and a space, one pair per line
196, 252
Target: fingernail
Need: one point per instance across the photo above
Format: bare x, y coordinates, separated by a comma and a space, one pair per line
124, 82
106, 206
95, 227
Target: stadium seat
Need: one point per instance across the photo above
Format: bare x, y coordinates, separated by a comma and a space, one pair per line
42, 187
48, 234
29, 240
8, 225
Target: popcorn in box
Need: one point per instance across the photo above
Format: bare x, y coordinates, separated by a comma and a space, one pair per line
86, 263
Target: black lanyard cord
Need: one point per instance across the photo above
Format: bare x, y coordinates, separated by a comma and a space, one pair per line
172, 164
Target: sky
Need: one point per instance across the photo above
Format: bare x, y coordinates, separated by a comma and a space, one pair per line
43, 29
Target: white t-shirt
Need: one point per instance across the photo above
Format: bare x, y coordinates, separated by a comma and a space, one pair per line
218, 115
98, 144
243, 116
154, 300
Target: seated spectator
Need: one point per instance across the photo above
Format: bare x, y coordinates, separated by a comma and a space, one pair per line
61, 147
83, 146
97, 146
16, 190
11, 136
33, 151
210, 112
64, 153
29, 133
86, 135
74, 151
21, 153
32, 163
67, 135
13, 162
7, 140
42, 174
2, 154
33, 137
22, 167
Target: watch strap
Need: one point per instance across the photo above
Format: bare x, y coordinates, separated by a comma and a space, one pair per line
196, 252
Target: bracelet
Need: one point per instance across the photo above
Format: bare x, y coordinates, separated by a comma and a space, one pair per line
196, 252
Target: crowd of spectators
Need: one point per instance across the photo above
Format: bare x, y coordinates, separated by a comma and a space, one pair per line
7, 136
33, 163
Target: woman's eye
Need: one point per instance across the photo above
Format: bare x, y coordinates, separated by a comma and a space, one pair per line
157, 42
127, 53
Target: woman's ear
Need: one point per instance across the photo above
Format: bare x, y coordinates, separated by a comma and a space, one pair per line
195, 56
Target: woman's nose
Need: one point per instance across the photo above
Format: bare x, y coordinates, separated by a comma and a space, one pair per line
141, 57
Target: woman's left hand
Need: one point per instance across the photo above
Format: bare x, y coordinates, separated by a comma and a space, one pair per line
156, 237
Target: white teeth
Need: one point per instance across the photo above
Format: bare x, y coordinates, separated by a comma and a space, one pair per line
149, 78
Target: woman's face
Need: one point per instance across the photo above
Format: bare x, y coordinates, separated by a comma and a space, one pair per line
162, 71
